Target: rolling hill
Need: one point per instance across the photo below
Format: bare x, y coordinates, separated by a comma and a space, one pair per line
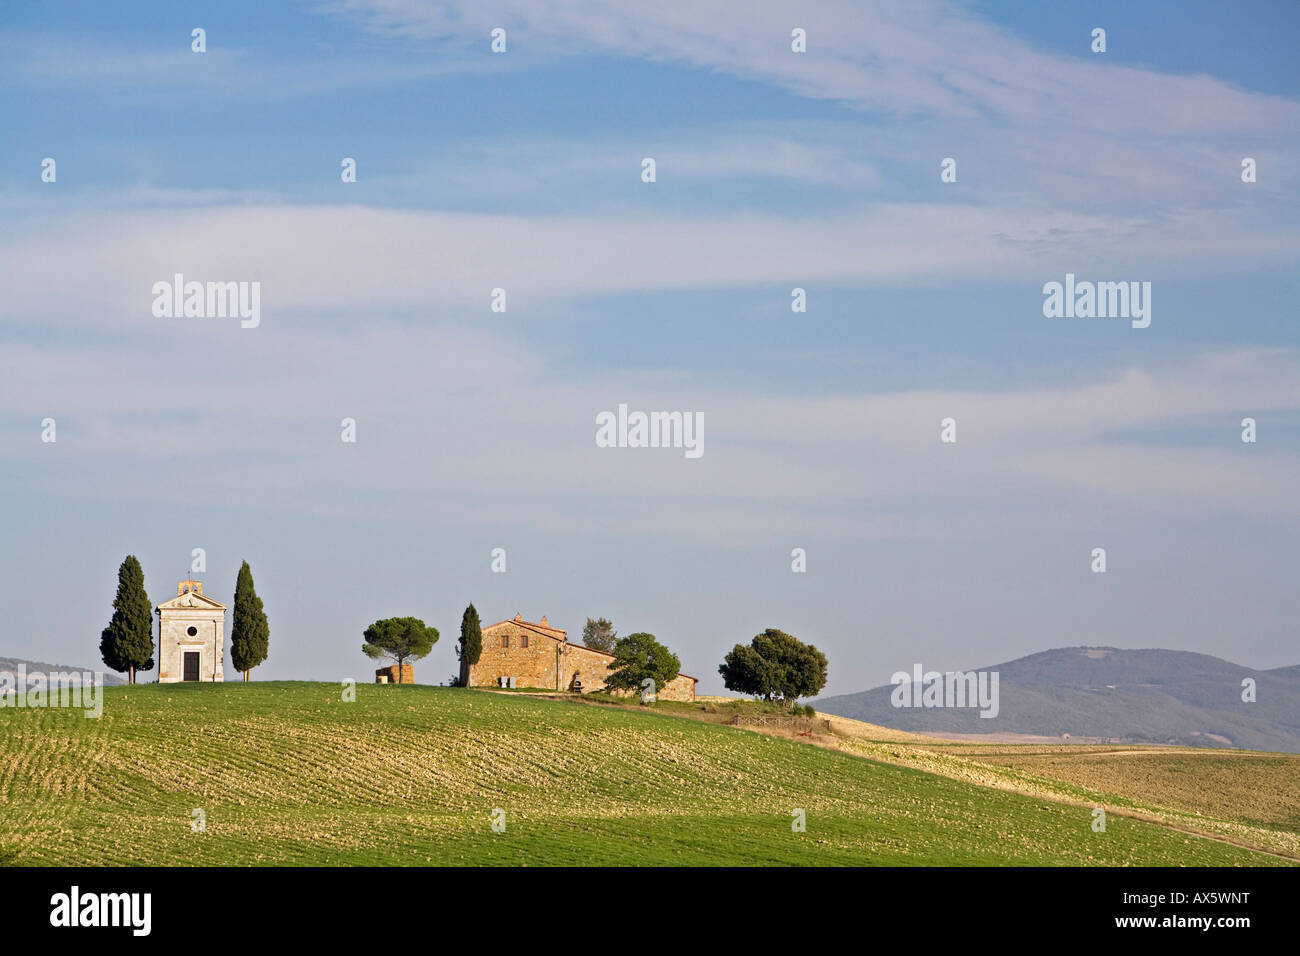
289, 773
1138, 696
11, 665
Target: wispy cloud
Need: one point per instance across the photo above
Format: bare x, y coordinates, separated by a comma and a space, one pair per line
80, 269
931, 58
419, 392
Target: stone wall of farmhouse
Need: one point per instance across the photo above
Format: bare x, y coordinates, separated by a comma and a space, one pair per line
533, 660
679, 688
531, 666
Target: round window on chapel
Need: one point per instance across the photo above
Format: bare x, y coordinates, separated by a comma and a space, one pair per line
191, 631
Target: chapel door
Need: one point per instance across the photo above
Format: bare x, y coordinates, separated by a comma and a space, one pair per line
191, 665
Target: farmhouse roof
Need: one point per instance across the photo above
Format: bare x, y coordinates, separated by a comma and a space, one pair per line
544, 628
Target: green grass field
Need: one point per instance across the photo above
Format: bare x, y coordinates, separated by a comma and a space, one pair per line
288, 773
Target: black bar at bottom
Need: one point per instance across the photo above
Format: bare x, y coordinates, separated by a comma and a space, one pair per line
730, 904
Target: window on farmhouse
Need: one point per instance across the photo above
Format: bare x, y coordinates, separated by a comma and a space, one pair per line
523, 642
505, 640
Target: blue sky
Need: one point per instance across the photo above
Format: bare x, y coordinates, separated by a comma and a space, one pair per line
775, 170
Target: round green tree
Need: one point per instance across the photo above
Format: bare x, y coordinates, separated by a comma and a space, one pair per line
775, 665
399, 639
638, 657
600, 634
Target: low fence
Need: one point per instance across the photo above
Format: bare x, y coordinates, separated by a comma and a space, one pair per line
786, 723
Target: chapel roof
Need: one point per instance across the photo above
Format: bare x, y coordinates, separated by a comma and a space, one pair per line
189, 594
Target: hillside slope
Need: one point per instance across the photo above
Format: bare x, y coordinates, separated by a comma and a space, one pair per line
12, 665
1146, 696
289, 773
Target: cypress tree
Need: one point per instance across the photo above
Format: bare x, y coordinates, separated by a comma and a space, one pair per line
127, 643
250, 632
470, 648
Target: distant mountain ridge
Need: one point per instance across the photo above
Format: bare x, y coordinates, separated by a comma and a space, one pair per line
1135, 696
12, 664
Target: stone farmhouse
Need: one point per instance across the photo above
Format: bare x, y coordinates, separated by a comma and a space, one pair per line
191, 636
528, 654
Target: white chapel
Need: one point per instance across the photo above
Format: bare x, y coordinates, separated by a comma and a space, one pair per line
191, 636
